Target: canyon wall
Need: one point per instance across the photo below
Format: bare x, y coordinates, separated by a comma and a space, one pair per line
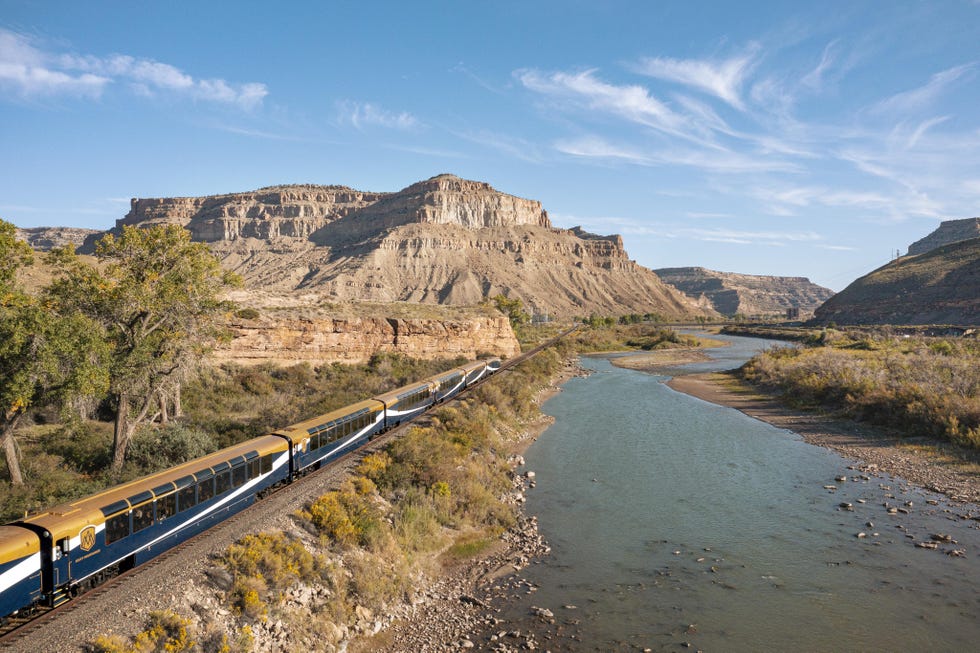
730, 293
319, 340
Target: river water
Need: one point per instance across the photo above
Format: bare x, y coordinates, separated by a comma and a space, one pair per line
676, 524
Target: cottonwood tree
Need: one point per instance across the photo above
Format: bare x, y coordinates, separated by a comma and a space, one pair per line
158, 296
45, 356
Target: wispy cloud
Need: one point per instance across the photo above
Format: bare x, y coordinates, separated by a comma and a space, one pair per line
631, 102
462, 68
922, 128
518, 148
699, 215
923, 96
641, 227
723, 79
256, 133
362, 115
738, 237
593, 146
31, 72
814, 80
838, 248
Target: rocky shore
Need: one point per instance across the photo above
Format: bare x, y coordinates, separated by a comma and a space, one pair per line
457, 611
923, 462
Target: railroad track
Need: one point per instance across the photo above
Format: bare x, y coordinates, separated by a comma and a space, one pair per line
19, 630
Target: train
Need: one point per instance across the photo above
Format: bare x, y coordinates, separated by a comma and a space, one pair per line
51, 556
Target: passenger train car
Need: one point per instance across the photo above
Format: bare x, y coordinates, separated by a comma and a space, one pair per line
51, 556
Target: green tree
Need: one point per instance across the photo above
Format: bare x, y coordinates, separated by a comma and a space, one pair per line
513, 309
44, 355
158, 296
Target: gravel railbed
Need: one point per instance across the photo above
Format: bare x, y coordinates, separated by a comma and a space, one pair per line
158, 586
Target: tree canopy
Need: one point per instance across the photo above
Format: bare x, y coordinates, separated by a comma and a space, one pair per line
157, 295
45, 355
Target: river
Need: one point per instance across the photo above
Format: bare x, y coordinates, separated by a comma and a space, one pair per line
676, 524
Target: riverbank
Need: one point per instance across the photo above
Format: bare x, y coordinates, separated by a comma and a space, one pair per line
456, 610
924, 462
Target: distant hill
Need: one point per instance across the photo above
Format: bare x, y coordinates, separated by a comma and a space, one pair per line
44, 239
949, 231
746, 294
445, 240
940, 286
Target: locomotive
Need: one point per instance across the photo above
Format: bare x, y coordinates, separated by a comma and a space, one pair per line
51, 556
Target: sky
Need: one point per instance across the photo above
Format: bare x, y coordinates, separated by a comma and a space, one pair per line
784, 138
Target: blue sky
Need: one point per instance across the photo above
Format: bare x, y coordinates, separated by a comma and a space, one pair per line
787, 138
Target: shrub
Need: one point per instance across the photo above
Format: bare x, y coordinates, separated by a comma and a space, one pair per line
161, 447
348, 516
167, 632
276, 559
917, 386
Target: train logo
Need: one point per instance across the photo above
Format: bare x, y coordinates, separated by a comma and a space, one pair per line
87, 537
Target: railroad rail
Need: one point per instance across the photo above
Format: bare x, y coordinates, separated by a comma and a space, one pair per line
19, 628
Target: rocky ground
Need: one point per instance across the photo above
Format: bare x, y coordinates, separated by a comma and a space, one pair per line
457, 611
926, 463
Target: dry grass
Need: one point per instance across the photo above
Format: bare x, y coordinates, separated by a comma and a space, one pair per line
916, 386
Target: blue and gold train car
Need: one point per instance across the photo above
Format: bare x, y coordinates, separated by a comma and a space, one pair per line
50, 556
86, 541
408, 402
20, 569
324, 438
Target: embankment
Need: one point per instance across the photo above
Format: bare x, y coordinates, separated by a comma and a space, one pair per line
924, 462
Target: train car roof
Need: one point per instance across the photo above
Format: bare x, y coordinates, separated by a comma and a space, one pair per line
475, 365
397, 392
305, 425
74, 515
17, 543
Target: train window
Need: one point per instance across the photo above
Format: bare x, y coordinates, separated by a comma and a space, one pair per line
187, 497
142, 517
266, 463
222, 482
166, 506
205, 490
116, 527
142, 497
253, 468
238, 475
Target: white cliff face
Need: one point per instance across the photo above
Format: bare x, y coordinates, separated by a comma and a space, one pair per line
266, 214
444, 240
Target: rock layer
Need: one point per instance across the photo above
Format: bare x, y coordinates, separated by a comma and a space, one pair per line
941, 286
731, 294
445, 240
949, 231
319, 340
292, 211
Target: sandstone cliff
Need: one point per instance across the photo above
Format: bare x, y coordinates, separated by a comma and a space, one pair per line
291, 211
296, 328
745, 294
949, 231
445, 240
941, 286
